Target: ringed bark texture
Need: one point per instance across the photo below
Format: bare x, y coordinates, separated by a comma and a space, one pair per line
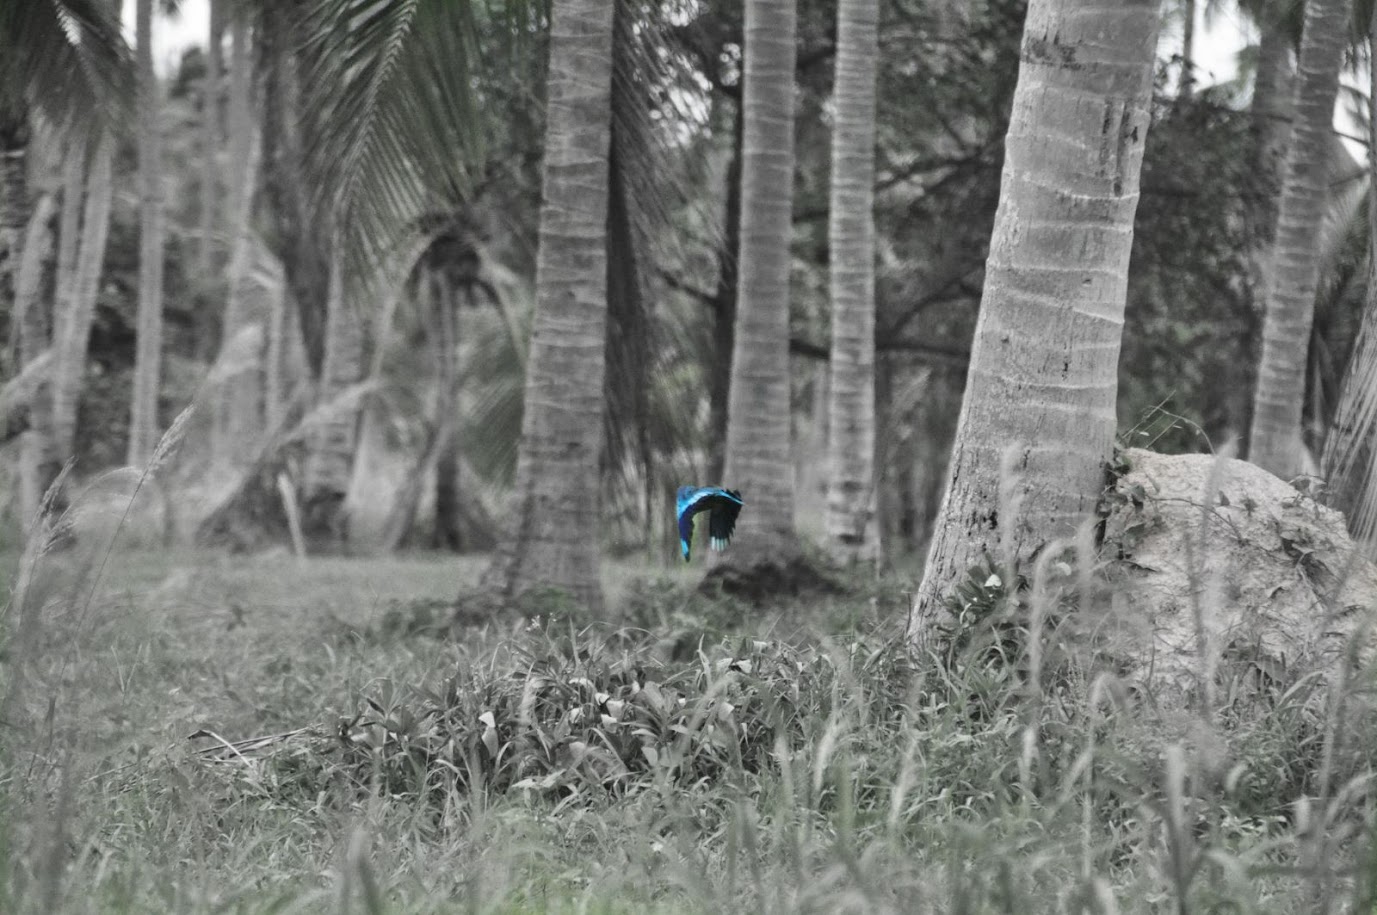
553, 538
1037, 421
1275, 438
851, 274
758, 428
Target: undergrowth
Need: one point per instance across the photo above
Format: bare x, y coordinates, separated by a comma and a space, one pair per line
363, 751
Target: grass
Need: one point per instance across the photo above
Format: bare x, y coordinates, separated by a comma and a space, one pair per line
685, 755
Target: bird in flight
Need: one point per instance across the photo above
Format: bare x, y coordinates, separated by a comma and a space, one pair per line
722, 506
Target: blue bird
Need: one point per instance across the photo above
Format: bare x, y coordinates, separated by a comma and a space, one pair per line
722, 505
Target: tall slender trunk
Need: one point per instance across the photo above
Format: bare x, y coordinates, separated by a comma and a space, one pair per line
439, 302
239, 427
1275, 442
143, 419
299, 243
69, 225
210, 142
1037, 421
332, 444
32, 324
77, 308
1270, 133
552, 540
448, 533
851, 271
758, 413
14, 218
724, 307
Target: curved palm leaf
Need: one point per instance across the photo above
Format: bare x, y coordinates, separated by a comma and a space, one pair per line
66, 59
395, 119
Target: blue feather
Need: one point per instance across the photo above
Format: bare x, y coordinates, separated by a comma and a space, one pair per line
722, 505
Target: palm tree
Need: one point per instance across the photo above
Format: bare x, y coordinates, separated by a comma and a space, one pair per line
552, 539
77, 299
851, 231
1037, 421
1275, 441
238, 428
331, 445
758, 412
143, 419
67, 60
31, 322
210, 139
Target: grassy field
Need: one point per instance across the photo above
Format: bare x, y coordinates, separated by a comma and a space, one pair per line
684, 754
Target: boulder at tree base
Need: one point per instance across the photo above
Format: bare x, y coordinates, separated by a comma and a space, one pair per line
1279, 584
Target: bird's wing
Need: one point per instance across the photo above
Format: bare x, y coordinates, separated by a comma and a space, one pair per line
685, 532
689, 501
722, 521
723, 506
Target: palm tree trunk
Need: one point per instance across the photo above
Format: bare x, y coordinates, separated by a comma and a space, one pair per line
724, 308
758, 425
14, 217
851, 243
77, 308
1275, 441
69, 225
1270, 132
1187, 50
1037, 421
553, 537
238, 429
448, 532
143, 420
32, 323
440, 304
332, 445
210, 142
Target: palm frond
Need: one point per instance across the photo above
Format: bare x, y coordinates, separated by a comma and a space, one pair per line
67, 60
396, 123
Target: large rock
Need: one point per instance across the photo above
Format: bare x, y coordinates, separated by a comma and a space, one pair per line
1217, 544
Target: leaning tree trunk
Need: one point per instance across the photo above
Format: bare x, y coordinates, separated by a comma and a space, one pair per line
143, 418
440, 305
210, 143
1275, 442
851, 242
32, 322
758, 413
1037, 421
553, 536
333, 443
77, 306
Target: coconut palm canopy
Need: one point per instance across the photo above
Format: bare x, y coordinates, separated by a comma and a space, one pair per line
722, 506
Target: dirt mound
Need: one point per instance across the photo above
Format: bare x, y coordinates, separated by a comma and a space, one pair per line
1223, 569
761, 580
